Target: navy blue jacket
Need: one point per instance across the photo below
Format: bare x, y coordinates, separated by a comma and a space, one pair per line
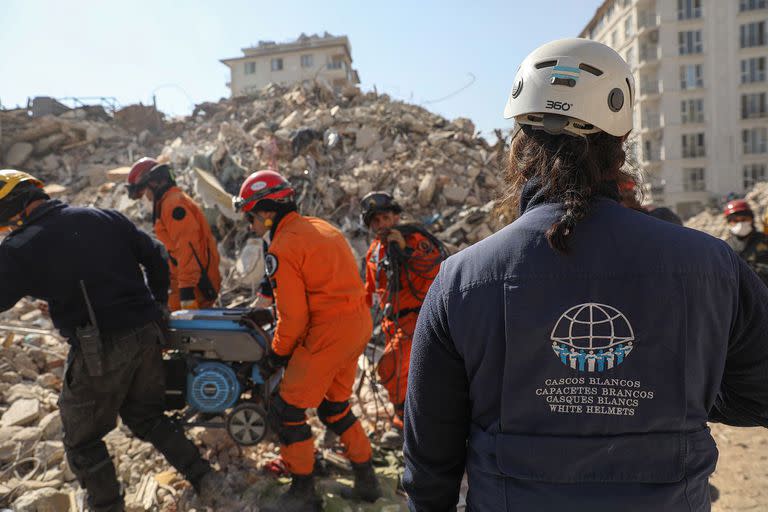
60, 245
583, 382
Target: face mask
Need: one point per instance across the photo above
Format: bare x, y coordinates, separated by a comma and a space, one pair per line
741, 229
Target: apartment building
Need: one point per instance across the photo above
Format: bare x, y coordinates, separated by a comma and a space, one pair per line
701, 115
325, 58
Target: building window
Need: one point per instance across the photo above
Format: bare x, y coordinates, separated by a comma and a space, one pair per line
753, 70
692, 111
691, 76
753, 173
307, 61
337, 62
689, 42
752, 34
693, 145
754, 141
628, 27
614, 37
250, 68
751, 5
688, 9
693, 179
277, 64
753, 105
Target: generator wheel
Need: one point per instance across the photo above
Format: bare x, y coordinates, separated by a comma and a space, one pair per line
247, 424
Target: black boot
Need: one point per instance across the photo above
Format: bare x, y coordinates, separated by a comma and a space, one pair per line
301, 497
98, 478
367, 486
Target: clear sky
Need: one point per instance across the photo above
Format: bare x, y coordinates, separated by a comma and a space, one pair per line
417, 51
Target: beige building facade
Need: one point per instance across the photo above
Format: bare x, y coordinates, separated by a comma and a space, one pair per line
701, 115
325, 58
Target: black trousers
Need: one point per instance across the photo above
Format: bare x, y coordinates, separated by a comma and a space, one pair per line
133, 386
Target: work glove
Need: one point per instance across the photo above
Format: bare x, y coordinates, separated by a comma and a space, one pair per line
275, 362
396, 236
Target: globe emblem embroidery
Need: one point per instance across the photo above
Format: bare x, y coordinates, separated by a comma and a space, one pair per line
592, 337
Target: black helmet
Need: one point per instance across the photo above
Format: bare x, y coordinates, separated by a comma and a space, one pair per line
377, 202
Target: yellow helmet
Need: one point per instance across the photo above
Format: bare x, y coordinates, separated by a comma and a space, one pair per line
11, 203
9, 178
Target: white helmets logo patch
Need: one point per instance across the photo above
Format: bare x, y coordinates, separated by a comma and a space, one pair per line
592, 337
259, 185
270, 264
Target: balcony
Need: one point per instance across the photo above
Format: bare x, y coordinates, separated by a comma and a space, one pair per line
652, 154
647, 21
649, 89
650, 121
650, 53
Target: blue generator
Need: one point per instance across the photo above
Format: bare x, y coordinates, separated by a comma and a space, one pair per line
213, 374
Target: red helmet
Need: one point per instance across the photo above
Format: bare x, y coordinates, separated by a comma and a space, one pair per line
738, 206
139, 170
143, 171
263, 186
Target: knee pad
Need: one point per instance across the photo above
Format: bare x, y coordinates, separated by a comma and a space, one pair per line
329, 413
288, 421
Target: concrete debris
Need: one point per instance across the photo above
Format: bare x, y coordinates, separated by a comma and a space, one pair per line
22, 412
46, 499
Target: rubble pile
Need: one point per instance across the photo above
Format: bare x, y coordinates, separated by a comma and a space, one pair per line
336, 148
713, 222
74, 147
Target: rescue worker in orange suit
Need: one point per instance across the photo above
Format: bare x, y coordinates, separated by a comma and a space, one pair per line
323, 326
182, 228
401, 263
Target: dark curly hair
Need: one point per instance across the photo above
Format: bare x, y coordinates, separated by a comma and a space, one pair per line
572, 170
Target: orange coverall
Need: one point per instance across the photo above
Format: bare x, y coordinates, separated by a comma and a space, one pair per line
324, 325
183, 230
423, 263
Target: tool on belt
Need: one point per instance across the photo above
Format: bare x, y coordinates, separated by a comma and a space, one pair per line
89, 340
204, 284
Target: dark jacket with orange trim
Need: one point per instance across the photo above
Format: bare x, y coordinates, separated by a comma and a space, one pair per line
182, 228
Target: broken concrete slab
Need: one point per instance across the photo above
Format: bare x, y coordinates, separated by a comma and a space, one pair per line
47, 499
22, 412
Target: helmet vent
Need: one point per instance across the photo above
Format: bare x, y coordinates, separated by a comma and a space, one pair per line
590, 69
631, 92
546, 64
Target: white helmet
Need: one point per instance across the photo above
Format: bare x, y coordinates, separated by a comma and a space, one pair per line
573, 85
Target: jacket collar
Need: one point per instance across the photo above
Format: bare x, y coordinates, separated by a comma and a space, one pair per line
160, 196
535, 194
282, 221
